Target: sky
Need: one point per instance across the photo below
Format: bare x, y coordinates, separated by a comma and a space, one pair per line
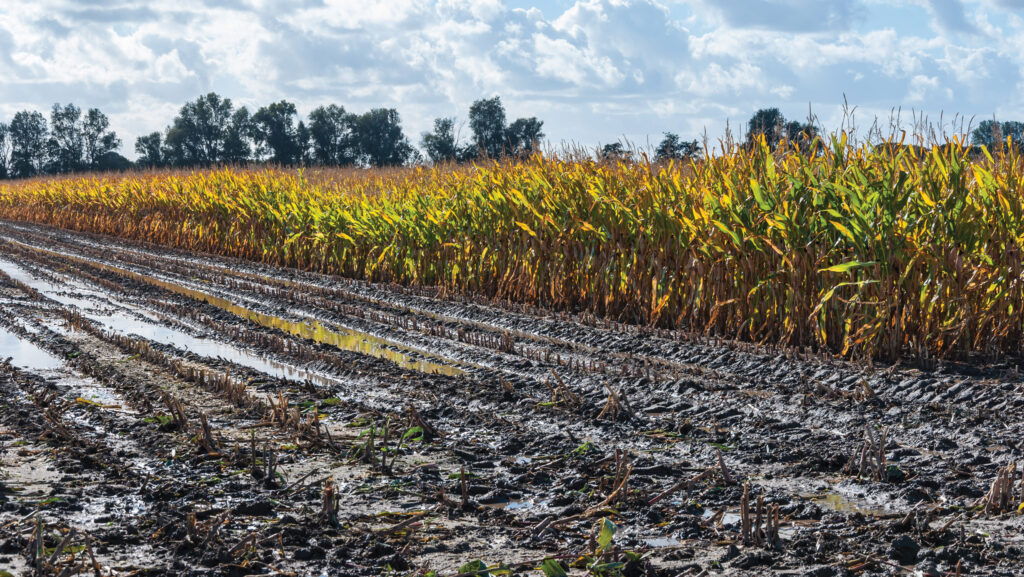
595, 71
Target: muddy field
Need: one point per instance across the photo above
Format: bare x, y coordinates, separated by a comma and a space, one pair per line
171, 414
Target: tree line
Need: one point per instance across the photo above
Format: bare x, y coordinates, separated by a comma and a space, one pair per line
993, 134
211, 131
767, 122
71, 142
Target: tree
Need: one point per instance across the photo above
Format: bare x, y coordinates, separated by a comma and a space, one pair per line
198, 132
98, 142
487, 121
177, 149
5, 150
415, 157
793, 129
381, 140
111, 161
801, 134
768, 122
149, 150
614, 152
274, 132
303, 140
987, 133
441, 145
28, 136
1014, 130
672, 147
992, 134
237, 147
66, 144
493, 139
332, 136
524, 135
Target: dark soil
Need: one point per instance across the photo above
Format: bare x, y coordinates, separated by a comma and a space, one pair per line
164, 413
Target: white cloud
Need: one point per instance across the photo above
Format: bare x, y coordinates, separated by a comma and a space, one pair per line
920, 86
782, 15
950, 16
714, 80
594, 70
783, 92
559, 58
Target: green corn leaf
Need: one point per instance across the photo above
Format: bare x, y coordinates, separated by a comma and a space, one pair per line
477, 566
732, 234
848, 266
552, 568
759, 196
604, 538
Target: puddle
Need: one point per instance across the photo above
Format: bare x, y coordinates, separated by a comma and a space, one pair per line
100, 511
837, 495
659, 542
517, 505
57, 292
524, 505
354, 341
92, 392
124, 323
848, 504
347, 340
25, 354
727, 518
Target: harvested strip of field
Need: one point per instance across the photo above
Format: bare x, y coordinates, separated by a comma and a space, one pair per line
165, 432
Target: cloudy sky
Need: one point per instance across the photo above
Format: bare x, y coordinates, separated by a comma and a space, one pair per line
594, 70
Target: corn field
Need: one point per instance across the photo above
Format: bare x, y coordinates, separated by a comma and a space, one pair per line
881, 251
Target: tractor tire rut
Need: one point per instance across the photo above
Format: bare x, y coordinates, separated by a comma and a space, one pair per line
167, 413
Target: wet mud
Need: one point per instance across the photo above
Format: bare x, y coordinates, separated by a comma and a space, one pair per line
166, 413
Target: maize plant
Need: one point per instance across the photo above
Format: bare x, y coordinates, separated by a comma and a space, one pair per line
876, 251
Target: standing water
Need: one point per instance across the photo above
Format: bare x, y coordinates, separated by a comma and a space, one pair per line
24, 354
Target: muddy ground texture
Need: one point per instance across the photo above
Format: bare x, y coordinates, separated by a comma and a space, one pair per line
164, 413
